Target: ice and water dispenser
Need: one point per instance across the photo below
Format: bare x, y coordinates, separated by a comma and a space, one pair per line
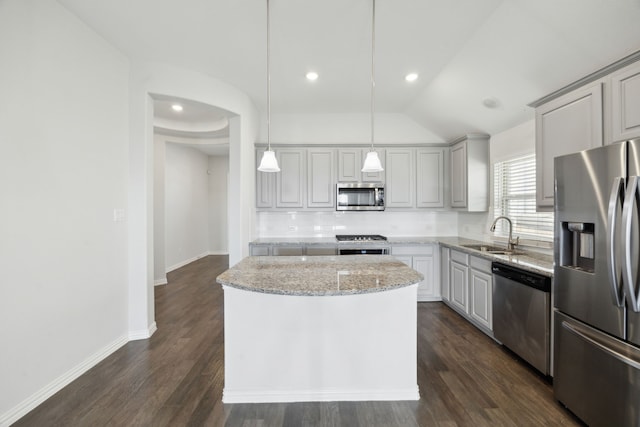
577, 246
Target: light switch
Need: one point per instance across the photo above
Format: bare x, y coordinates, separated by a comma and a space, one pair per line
118, 214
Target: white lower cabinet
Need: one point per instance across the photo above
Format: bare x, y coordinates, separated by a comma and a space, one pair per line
422, 258
445, 282
278, 249
480, 292
459, 274
470, 284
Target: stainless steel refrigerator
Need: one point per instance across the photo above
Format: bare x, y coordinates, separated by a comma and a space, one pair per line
596, 284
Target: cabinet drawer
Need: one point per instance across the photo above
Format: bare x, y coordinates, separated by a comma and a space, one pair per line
412, 250
459, 257
481, 264
287, 250
262, 250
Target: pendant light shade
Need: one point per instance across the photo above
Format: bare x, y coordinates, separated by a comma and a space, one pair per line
372, 161
269, 163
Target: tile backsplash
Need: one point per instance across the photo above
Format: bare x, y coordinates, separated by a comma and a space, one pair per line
327, 224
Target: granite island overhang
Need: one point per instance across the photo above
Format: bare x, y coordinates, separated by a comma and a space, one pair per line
320, 328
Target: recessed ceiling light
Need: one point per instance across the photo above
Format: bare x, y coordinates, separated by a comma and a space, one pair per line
411, 77
176, 107
312, 75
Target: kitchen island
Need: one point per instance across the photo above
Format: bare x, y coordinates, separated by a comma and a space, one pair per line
320, 328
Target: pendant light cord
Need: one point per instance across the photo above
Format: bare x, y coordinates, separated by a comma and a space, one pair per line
373, 79
268, 81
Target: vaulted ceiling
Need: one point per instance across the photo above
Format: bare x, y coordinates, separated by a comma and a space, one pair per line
468, 53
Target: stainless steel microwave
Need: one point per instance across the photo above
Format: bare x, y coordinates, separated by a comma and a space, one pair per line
360, 196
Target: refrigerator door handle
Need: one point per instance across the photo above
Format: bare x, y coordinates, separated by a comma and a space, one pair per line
601, 343
627, 261
617, 192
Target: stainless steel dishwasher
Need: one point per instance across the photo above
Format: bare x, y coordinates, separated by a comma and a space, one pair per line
521, 313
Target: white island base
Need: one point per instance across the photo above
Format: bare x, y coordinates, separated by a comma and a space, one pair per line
292, 348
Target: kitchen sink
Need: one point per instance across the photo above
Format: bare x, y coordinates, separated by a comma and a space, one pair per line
494, 250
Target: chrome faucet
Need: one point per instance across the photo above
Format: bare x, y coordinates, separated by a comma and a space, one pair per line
512, 243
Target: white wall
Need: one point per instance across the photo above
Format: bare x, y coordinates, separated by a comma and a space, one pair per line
63, 168
159, 261
218, 185
345, 128
186, 205
187, 185
158, 78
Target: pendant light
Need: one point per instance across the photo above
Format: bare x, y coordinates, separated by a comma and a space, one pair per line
372, 161
269, 163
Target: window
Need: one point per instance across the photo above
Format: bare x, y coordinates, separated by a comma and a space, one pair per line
515, 197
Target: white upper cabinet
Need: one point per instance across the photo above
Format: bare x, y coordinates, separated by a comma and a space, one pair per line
568, 124
349, 164
265, 194
400, 185
459, 175
430, 178
470, 173
290, 181
625, 103
321, 178
350, 161
413, 177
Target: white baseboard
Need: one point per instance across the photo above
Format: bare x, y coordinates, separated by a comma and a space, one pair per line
160, 282
185, 262
266, 396
59, 383
143, 334
428, 298
218, 252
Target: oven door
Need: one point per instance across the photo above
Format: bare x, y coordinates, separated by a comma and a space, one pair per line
363, 250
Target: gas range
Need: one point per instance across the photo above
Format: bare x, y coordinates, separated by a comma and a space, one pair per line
360, 238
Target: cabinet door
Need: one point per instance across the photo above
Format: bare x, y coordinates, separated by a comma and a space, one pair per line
349, 164
427, 289
320, 178
459, 175
399, 187
374, 176
481, 291
458, 275
625, 98
290, 181
264, 185
430, 178
565, 125
444, 273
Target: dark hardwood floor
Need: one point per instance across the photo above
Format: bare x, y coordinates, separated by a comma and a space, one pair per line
175, 378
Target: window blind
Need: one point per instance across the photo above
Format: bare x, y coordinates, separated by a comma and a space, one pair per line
515, 197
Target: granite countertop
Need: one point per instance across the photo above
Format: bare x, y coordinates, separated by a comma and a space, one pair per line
319, 275
527, 260
295, 241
